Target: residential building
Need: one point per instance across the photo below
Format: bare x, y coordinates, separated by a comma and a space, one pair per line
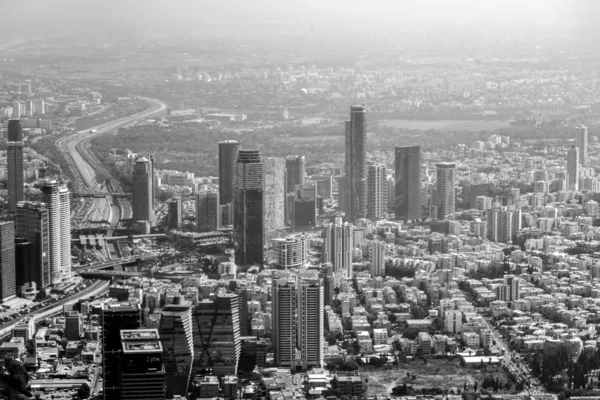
284, 318
58, 203
310, 322
446, 190
8, 285
377, 192
291, 251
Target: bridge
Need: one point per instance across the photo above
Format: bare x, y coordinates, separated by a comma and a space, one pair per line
100, 195
100, 240
108, 274
112, 263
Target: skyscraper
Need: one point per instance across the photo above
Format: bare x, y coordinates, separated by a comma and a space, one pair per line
377, 253
310, 322
284, 318
142, 369
228, 153
8, 285
295, 172
446, 191
177, 340
407, 202
581, 141
216, 330
32, 224
355, 182
175, 214
14, 164
57, 198
274, 194
248, 222
573, 168
338, 246
208, 211
25, 274
116, 316
143, 189
377, 192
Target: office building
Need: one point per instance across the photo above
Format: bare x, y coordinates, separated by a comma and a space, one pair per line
377, 192
338, 245
310, 322
295, 171
142, 368
228, 154
573, 168
175, 214
73, 326
304, 207
581, 142
25, 269
284, 308
407, 184
446, 191
32, 225
14, 164
248, 222
355, 168
329, 285
176, 336
274, 194
208, 211
8, 285
377, 253
58, 203
143, 189
324, 185
216, 330
291, 251
115, 317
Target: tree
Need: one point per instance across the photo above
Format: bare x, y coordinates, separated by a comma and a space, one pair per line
84, 391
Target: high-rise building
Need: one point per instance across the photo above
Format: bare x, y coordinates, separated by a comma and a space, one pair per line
228, 154
338, 245
355, 182
58, 202
25, 274
446, 192
304, 207
324, 185
8, 285
581, 141
14, 164
377, 192
573, 168
407, 194
377, 253
32, 224
142, 369
310, 322
274, 194
208, 211
295, 171
510, 290
143, 202
284, 318
248, 222
175, 214
216, 330
177, 340
291, 251
116, 316
326, 274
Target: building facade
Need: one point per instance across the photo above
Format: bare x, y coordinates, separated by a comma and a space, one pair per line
407, 185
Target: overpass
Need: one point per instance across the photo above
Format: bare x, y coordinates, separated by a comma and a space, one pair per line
95, 274
112, 263
100, 195
100, 240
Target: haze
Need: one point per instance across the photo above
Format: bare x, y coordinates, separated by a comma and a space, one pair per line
231, 16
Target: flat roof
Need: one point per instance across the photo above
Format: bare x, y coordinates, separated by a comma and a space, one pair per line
139, 334
143, 346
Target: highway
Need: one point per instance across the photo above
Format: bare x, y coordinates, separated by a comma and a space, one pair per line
91, 176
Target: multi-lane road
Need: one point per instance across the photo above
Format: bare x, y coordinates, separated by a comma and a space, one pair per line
87, 170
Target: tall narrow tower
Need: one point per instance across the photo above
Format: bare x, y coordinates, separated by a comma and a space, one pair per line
581, 141
310, 322
295, 172
228, 152
32, 224
573, 168
284, 318
14, 164
143, 202
377, 192
58, 202
8, 284
355, 182
274, 194
338, 246
407, 202
177, 340
248, 223
446, 191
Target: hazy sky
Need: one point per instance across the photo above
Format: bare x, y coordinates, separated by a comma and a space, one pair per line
228, 14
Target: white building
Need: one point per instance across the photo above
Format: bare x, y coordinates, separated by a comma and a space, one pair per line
453, 321
291, 252
377, 253
58, 202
